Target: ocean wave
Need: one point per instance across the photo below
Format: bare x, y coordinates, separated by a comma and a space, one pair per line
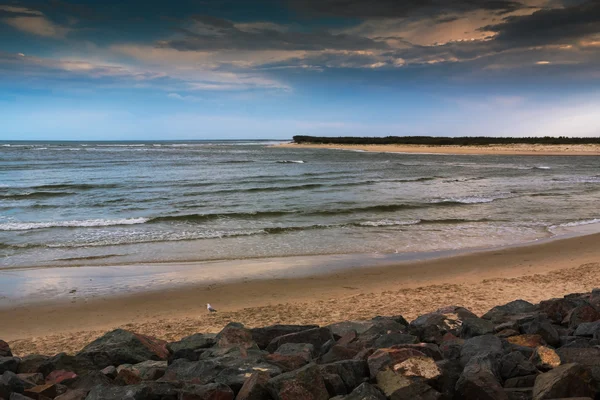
468, 200
34, 195
577, 223
290, 162
387, 222
26, 226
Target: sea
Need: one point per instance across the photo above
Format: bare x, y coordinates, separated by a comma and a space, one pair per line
114, 203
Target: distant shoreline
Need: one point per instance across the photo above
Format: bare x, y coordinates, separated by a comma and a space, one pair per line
508, 149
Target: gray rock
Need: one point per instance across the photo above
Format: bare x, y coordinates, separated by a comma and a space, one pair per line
192, 342
544, 329
32, 363
5, 349
394, 338
255, 387
580, 314
352, 372
515, 364
10, 383
317, 337
480, 380
149, 391
521, 381
588, 357
235, 335
338, 353
486, 344
335, 385
9, 364
569, 380
399, 387
499, 313
472, 327
264, 336
519, 393
206, 392
588, 329
365, 392
305, 383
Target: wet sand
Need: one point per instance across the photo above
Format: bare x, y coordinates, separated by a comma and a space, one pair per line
516, 149
477, 281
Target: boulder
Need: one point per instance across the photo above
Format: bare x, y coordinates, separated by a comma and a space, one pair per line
588, 329
149, 370
263, 336
335, 385
568, 380
66, 362
352, 372
305, 383
35, 378
90, 379
424, 368
526, 381
110, 371
291, 356
60, 376
77, 394
394, 338
545, 358
338, 353
381, 359
532, 341
446, 382
317, 337
365, 392
123, 347
480, 379
580, 314
340, 329
396, 386
48, 390
5, 349
544, 329
10, 383
9, 364
515, 364
235, 335
32, 363
191, 343
480, 345
518, 393
558, 309
214, 391
506, 333
472, 327
126, 376
451, 346
589, 357
433, 326
499, 314
348, 338
144, 391
255, 387
429, 349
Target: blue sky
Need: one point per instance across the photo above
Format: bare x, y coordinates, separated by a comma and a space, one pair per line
223, 69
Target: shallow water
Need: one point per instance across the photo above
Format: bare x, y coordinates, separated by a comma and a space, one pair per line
110, 203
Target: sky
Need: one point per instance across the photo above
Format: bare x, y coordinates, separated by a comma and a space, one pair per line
241, 69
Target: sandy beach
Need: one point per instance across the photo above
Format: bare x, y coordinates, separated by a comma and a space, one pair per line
517, 149
477, 281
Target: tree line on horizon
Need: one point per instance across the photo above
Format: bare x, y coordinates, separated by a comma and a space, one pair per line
445, 141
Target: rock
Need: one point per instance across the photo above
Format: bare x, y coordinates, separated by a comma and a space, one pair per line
149, 370
59, 376
304, 350
480, 345
518, 393
446, 382
545, 358
337, 353
90, 379
18, 396
429, 349
394, 338
348, 338
317, 337
47, 390
506, 333
66, 362
235, 335
396, 386
433, 326
558, 309
192, 342
305, 383
9, 364
568, 380
145, 391
515, 364
352, 372
110, 372
480, 380
498, 314
588, 357
544, 329
381, 359
5, 349
335, 385
588, 329
451, 346
418, 367
123, 347
532, 341
365, 392
127, 377
34, 378
581, 343
32, 363
214, 391
472, 327
77, 394
341, 329
10, 383
526, 381
580, 314
255, 387
287, 362
264, 336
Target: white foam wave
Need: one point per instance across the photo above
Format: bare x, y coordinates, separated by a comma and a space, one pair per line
577, 223
469, 200
388, 222
291, 162
26, 226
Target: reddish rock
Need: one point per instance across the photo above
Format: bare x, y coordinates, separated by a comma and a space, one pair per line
364, 354
532, 341
383, 358
127, 377
235, 335
5, 349
37, 392
59, 376
287, 362
580, 314
569, 380
255, 387
544, 358
506, 333
303, 384
429, 349
558, 309
348, 338
338, 353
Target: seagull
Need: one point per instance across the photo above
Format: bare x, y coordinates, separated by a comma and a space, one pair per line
210, 308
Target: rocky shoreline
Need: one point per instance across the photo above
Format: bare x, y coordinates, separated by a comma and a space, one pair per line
515, 351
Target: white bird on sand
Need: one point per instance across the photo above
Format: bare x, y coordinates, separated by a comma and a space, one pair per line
210, 308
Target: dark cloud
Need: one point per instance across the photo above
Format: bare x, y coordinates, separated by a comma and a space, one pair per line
398, 8
549, 26
212, 34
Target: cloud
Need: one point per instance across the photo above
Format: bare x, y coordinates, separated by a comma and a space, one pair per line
31, 21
